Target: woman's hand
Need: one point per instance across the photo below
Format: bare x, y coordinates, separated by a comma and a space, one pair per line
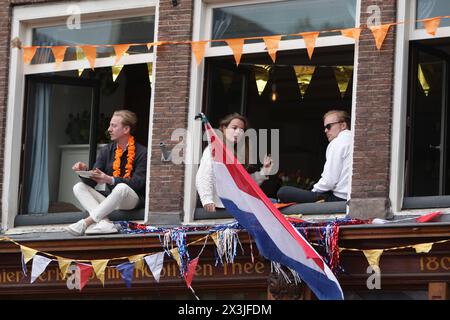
101, 177
79, 166
210, 207
267, 165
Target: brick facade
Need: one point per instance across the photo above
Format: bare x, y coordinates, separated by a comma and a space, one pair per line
373, 116
171, 95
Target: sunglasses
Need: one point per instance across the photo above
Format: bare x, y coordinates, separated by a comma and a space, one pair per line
328, 126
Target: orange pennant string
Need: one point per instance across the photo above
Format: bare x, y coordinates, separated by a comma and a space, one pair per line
431, 25
198, 47
149, 45
237, 46
28, 54
58, 53
120, 49
272, 44
379, 33
310, 41
354, 33
91, 54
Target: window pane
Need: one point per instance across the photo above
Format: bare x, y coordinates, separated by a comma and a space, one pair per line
126, 30
432, 8
285, 17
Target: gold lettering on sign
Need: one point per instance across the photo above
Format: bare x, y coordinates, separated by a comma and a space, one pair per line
445, 263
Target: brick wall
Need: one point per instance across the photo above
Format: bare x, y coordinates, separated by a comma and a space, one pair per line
170, 104
374, 92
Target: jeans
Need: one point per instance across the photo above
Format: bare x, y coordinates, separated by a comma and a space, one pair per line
99, 207
292, 194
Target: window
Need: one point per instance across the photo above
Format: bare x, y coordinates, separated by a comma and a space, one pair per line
290, 95
62, 113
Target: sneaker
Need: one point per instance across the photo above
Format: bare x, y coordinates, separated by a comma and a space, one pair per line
77, 228
102, 227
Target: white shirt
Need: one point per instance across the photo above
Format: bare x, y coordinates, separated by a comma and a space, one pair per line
205, 180
337, 166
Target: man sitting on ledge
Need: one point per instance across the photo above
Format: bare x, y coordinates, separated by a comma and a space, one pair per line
122, 166
333, 185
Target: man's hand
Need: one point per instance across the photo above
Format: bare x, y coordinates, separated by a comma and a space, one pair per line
101, 177
267, 165
79, 166
210, 207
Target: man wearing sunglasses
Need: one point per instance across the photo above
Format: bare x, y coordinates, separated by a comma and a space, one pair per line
333, 185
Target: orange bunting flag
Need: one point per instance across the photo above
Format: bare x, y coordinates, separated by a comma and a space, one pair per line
149, 45
28, 54
379, 33
431, 25
272, 43
352, 33
58, 53
198, 47
237, 46
120, 49
310, 41
91, 54
189, 276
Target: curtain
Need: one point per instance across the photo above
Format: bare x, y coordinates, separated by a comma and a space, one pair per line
425, 8
37, 166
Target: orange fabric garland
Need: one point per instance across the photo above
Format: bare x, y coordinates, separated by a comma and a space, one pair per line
130, 159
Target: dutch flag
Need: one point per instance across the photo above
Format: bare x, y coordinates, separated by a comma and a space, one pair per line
275, 237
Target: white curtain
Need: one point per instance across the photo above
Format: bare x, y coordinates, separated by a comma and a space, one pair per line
425, 8
38, 190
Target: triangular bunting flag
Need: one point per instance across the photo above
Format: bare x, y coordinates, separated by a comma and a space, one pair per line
155, 262
84, 272
138, 261
40, 263
237, 46
373, 256
120, 49
24, 265
272, 43
198, 47
189, 276
58, 53
310, 41
149, 45
99, 267
343, 75
215, 237
176, 255
28, 253
28, 54
126, 270
115, 70
431, 25
91, 54
64, 265
304, 75
354, 33
379, 33
423, 247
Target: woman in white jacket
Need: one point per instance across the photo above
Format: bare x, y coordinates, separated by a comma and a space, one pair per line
232, 127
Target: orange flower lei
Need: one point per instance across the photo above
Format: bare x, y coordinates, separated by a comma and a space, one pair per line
130, 159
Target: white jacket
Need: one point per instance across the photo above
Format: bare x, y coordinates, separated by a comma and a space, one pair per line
206, 183
336, 171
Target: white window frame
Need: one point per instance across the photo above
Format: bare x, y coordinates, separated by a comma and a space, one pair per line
202, 30
406, 11
26, 17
